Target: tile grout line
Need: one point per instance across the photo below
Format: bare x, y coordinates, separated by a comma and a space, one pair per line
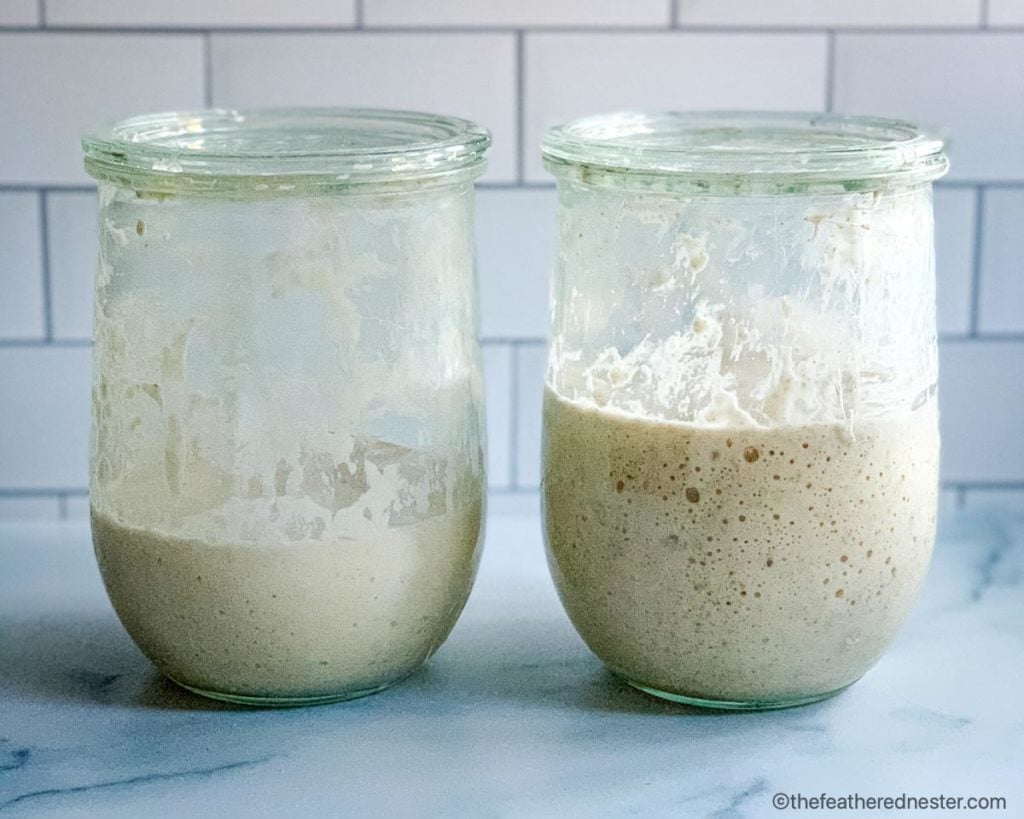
62, 505
957, 487
695, 28
976, 259
42, 13
520, 107
673, 14
983, 22
42, 187
76, 491
953, 338
55, 343
830, 69
44, 236
518, 491
523, 340
981, 183
207, 69
360, 15
513, 427
502, 341
983, 486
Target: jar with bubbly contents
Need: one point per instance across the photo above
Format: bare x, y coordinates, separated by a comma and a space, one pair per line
740, 465
287, 473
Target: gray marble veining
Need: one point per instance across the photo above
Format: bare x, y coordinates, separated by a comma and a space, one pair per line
513, 717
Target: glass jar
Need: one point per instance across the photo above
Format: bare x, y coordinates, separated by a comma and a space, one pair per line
740, 428
287, 479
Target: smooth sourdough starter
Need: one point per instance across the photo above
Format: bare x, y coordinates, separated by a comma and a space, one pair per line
738, 563
306, 619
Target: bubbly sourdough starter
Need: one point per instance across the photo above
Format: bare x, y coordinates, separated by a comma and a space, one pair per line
305, 619
738, 563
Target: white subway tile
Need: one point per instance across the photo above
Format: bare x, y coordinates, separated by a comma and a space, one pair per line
981, 393
516, 13
54, 87
569, 75
954, 257
1001, 296
21, 267
515, 251
30, 508
44, 404
199, 13
71, 219
1002, 500
530, 374
1006, 12
971, 84
469, 75
829, 12
514, 504
949, 504
19, 12
77, 507
498, 382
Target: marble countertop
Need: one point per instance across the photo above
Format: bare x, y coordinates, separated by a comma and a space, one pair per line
513, 717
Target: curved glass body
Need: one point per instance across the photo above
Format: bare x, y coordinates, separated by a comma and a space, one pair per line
287, 479
740, 426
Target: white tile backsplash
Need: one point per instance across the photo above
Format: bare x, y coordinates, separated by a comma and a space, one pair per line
71, 217
981, 392
21, 267
19, 12
514, 67
514, 273
1001, 289
498, 394
569, 75
833, 13
29, 508
469, 75
532, 366
44, 404
954, 257
516, 13
55, 87
1005, 500
970, 84
200, 13
76, 507
1006, 12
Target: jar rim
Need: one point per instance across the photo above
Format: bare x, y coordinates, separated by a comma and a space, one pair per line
749, 148
337, 146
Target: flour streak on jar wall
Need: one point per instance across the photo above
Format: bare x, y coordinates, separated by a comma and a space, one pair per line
287, 468
740, 423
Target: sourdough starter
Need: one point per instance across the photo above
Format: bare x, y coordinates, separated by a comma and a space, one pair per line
303, 619
738, 563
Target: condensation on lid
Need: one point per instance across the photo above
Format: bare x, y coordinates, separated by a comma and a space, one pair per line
330, 144
758, 146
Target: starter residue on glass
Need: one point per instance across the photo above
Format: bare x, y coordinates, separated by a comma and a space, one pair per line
730, 344
740, 491
287, 464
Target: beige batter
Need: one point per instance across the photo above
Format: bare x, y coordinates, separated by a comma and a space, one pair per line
306, 619
738, 564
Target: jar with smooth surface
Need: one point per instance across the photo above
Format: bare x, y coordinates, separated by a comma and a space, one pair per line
287, 470
740, 458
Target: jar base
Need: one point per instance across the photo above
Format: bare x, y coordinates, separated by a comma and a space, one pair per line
283, 702
733, 705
